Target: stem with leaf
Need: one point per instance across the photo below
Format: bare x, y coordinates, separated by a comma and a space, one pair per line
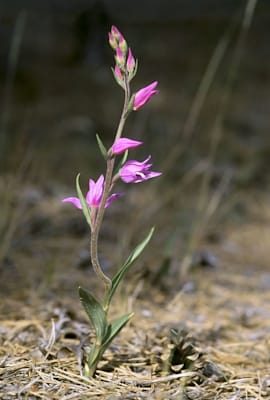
97, 313
107, 187
98, 198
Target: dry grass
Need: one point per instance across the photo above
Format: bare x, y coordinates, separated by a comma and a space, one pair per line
223, 310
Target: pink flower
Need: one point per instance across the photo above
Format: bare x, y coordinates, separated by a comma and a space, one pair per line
123, 144
130, 61
144, 95
93, 196
134, 171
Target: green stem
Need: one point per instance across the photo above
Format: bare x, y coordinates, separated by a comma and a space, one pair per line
97, 225
91, 365
107, 187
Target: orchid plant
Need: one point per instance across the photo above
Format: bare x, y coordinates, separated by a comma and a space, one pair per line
100, 196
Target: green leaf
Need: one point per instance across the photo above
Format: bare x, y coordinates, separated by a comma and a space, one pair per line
102, 148
132, 257
97, 350
114, 328
95, 313
85, 208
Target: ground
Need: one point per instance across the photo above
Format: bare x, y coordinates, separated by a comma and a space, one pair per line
220, 309
200, 291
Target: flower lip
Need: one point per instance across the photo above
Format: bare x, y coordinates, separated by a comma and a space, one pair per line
134, 171
74, 200
123, 144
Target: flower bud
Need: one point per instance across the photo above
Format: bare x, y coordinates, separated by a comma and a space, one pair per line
130, 62
122, 44
118, 76
115, 32
118, 72
112, 41
119, 58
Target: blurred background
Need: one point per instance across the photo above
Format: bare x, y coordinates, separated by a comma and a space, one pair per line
207, 131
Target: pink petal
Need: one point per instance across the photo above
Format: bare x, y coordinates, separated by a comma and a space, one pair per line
94, 195
111, 198
144, 95
123, 144
74, 200
135, 171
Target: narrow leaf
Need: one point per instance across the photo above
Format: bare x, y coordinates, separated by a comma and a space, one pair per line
132, 257
96, 352
114, 328
85, 208
95, 313
102, 148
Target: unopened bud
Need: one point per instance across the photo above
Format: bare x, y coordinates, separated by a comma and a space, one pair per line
112, 41
130, 61
118, 76
119, 58
123, 45
118, 72
115, 32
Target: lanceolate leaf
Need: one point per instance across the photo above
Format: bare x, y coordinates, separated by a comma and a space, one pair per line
85, 208
101, 146
114, 328
97, 351
132, 257
95, 313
